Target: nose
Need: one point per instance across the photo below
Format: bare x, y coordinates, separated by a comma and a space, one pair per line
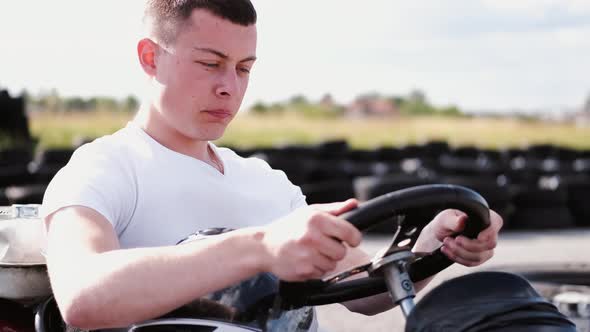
227, 85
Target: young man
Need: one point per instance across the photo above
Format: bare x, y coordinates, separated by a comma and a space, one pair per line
115, 212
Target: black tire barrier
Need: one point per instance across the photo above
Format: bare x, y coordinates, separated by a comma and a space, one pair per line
3, 199
567, 154
497, 195
579, 202
363, 155
53, 157
389, 154
541, 209
48, 162
14, 122
581, 166
336, 149
14, 167
15, 175
15, 156
541, 217
435, 149
328, 192
469, 166
534, 197
541, 151
29, 194
323, 170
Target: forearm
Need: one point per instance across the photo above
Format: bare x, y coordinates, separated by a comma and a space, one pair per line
119, 287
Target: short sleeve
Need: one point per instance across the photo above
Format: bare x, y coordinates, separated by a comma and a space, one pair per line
287, 189
297, 198
97, 179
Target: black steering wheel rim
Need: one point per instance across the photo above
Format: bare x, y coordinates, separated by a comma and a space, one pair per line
367, 214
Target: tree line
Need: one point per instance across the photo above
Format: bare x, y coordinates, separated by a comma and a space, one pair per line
415, 103
51, 101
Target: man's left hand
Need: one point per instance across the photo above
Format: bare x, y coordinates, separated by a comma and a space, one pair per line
460, 249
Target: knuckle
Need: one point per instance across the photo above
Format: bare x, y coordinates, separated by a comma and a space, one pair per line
340, 253
316, 219
309, 239
357, 237
492, 245
306, 256
303, 270
352, 236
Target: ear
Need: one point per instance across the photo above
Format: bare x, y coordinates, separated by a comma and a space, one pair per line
146, 51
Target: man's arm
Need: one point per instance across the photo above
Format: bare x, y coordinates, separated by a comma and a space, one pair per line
97, 284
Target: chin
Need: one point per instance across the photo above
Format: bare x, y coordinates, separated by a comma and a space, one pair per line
210, 134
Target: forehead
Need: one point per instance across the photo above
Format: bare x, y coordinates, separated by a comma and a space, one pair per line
205, 30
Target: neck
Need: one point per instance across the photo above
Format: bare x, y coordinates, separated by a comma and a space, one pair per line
151, 121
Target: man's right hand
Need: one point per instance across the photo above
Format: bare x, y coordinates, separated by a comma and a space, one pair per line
309, 242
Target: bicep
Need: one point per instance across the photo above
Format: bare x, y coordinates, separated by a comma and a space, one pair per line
75, 231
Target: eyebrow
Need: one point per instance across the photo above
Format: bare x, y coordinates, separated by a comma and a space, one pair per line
222, 55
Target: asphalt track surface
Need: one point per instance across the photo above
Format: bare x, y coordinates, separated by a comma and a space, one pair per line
516, 249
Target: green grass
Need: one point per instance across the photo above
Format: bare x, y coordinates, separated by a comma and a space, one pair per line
247, 130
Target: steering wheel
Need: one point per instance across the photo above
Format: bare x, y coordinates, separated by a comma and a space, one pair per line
393, 205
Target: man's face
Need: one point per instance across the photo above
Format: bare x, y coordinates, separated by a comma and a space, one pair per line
203, 76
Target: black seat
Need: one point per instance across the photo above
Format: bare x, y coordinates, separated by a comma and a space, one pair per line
486, 301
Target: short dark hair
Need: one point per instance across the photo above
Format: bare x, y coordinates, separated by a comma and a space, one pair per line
166, 16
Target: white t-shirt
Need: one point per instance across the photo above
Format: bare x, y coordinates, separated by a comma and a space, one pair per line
154, 196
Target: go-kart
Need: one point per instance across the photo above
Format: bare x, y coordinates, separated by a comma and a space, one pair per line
485, 301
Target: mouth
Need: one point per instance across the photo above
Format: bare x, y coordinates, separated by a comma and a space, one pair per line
219, 113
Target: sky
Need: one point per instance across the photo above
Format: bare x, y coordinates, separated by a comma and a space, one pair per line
480, 55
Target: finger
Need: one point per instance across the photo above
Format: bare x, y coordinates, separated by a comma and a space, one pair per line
337, 208
458, 259
475, 245
496, 221
459, 252
324, 263
448, 222
340, 229
331, 248
491, 233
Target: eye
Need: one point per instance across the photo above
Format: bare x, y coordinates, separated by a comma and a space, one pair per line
208, 64
244, 70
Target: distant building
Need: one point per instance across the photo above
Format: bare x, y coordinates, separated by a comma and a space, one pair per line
327, 102
582, 118
372, 105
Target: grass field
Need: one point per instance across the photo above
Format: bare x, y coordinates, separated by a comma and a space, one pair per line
60, 130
